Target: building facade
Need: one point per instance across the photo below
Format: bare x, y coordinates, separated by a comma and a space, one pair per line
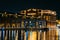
29, 18
48, 20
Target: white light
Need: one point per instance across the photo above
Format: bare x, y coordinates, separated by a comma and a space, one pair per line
58, 25
52, 12
28, 9
2, 14
30, 21
34, 9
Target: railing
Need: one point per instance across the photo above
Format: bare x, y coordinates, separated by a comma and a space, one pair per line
21, 33
24, 29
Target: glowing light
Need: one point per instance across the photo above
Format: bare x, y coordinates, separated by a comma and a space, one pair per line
32, 36
29, 10
5, 12
34, 9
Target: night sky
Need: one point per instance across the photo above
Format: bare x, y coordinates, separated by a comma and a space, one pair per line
18, 5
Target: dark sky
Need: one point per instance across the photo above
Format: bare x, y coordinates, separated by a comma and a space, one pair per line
17, 5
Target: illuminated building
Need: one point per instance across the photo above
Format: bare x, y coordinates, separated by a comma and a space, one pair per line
29, 18
58, 29
47, 19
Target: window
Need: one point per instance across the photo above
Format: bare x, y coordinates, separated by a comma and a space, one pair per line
18, 25
40, 23
47, 17
25, 23
31, 13
53, 18
22, 24
31, 23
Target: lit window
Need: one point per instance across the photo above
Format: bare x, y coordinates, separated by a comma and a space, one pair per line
22, 24
31, 24
24, 11
34, 9
47, 18
31, 14
26, 23
29, 10
52, 12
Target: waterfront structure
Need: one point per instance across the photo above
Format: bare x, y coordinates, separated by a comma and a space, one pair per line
29, 18
47, 19
58, 29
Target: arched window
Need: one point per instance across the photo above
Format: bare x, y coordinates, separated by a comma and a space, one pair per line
13, 25
7, 25
18, 25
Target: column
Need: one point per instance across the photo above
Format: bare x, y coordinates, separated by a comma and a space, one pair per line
38, 35
22, 35
6, 35
22, 31
0, 34
25, 36
43, 35
16, 36
57, 34
13, 34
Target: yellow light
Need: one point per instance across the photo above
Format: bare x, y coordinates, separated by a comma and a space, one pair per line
29, 10
24, 11
33, 36
59, 22
56, 20
34, 9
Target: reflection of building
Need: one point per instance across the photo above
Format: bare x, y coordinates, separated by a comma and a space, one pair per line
31, 18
